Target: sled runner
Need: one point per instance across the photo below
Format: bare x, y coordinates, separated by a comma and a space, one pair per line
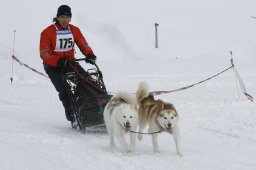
88, 96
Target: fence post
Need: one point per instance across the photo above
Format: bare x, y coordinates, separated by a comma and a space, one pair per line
156, 34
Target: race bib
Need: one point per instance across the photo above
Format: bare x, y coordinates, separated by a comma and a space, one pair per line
64, 40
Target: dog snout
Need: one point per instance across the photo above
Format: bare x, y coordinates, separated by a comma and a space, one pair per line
127, 123
169, 125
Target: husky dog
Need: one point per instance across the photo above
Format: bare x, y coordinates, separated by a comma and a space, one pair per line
159, 115
121, 117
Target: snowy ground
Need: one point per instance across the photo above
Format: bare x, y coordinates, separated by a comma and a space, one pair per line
218, 125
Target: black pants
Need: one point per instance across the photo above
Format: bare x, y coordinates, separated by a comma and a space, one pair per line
56, 75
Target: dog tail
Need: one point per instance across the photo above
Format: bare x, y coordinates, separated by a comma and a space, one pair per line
125, 97
142, 91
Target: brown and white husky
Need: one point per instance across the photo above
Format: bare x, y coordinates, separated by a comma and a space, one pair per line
159, 115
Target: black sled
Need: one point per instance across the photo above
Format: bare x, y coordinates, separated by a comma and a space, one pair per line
88, 96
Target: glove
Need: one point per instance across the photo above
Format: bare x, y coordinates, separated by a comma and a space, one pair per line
90, 58
62, 62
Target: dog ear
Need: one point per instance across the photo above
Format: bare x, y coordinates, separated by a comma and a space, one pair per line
173, 108
168, 106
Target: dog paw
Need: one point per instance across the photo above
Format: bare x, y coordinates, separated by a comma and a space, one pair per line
156, 150
140, 136
127, 150
179, 154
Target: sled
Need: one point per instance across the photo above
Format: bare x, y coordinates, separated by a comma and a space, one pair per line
88, 96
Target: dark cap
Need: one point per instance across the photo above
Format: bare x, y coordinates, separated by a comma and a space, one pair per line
64, 10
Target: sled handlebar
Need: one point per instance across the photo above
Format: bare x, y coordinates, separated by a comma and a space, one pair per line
84, 59
79, 59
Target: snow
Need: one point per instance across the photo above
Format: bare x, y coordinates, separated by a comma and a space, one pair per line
217, 122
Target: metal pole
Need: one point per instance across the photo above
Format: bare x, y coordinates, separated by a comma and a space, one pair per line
156, 34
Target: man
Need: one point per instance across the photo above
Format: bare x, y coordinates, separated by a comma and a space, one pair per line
57, 50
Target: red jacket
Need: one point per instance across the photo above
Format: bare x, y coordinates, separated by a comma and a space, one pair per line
48, 43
